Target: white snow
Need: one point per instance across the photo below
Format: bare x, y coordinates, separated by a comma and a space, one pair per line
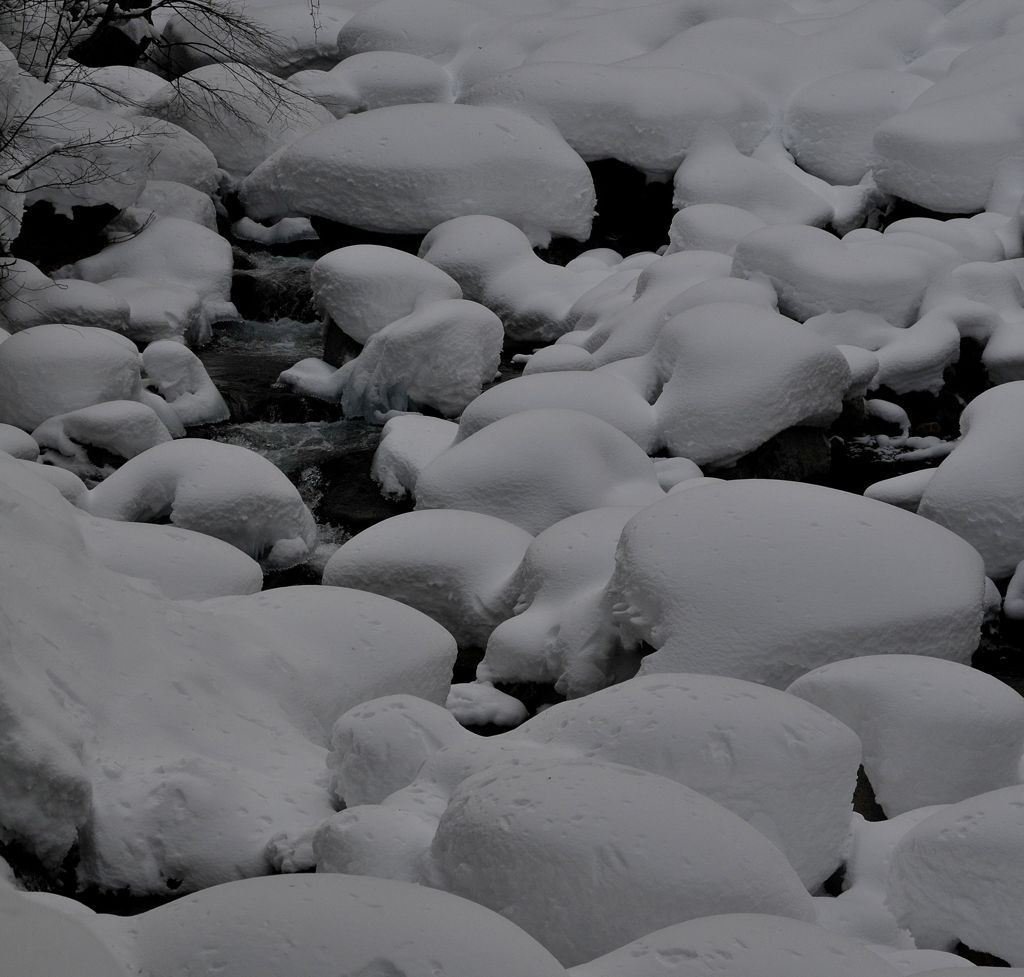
122, 428
219, 489
536, 467
933, 731
364, 287
408, 443
958, 876
802, 575
734, 945
455, 567
18, 443
481, 704
442, 160
180, 378
52, 369
170, 740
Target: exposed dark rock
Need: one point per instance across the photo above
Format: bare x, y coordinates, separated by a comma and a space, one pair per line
50, 240
799, 454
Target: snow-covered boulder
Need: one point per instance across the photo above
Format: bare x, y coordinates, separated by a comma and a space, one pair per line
711, 227
30, 298
601, 394
494, 262
813, 272
175, 154
18, 443
715, 171
161, 311
408, 443
646, 117
974, 492
325, 925
439, 356
364, 287
562, 632
214, 714
180, 378
374, 80
170, 251
734, 945
442, 161
52, 369
242, 114
536, 467
523, 837
766, 608
829, 125
959, 874
733, 375
934, 731
92, 440
455, 567
168, 198
222, 490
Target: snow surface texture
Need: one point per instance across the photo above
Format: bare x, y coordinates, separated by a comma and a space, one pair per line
209, 713
958, 874
787, 770
223, 490
743, 616
408, 443
443, 161
455, 567
536, 467
933, 731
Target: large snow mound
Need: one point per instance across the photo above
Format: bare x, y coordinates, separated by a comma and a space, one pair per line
442, 161
763, 605
456, 567
740, 945
934, 731
959, 875
522, 837
170, 740
223, 490
536, 467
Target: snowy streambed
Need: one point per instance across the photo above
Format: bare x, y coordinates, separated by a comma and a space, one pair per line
512, 488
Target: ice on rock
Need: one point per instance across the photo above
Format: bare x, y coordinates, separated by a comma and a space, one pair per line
173, 252
520, 837
439, 356
711, 227
740, 945
934, 731
184, 565
716, 172
536, 467
408, 443
958, 875
52, 369
974, 491
442, 161
814, 273
829, 125
646, 117
375, 79
182, 381
601, 394
219, 489
213, 715
732, 376
910, 359
242, 114
30, 298
91, 440
18, 443
325, 925
562, 632
364, 287
455, 567
766, 609
494, 263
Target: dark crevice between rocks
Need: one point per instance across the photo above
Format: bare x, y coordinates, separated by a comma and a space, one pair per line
335, 235
1000, 652
798, 454
978, 958
864, 801
50, 240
